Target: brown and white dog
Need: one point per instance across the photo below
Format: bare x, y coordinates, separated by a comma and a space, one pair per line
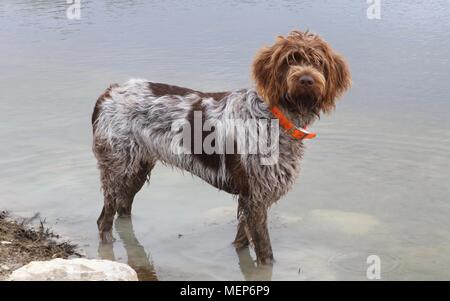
300, 75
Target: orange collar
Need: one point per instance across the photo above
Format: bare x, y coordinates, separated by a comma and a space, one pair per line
295, 132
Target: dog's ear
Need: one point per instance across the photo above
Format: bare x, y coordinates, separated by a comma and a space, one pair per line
338, 81
266, 73
342, 73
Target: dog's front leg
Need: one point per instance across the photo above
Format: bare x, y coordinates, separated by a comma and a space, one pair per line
242, 237
256, 217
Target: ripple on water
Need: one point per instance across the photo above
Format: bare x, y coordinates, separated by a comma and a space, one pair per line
356, 263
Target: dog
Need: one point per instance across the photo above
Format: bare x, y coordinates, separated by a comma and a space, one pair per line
297, 79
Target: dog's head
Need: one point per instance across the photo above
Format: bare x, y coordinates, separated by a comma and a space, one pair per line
301, 72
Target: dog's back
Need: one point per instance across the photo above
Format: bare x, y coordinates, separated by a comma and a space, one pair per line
139, 123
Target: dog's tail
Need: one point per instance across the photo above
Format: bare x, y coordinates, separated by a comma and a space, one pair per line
100, 100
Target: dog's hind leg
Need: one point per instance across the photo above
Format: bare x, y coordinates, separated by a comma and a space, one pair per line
120, 184
122, 175
132, 183
105, 220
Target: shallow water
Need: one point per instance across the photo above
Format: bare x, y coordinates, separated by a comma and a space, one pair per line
375, 181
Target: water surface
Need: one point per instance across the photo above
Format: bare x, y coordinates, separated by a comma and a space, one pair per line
375, 181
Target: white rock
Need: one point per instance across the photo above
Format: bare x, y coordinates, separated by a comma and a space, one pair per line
4, 242
79, 269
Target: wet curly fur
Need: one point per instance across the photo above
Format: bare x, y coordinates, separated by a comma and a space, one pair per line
132, 131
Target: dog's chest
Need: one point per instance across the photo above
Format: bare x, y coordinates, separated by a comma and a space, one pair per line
273, 181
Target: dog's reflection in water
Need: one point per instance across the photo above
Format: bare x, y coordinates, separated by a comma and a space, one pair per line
140, 262
250, 269
137, 257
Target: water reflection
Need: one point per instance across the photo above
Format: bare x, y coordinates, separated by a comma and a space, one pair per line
140, 261
250, 269
136, 254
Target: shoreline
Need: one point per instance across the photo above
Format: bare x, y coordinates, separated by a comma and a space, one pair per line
21, 243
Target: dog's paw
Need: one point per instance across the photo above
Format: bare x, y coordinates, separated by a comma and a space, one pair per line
240, 244
265, 261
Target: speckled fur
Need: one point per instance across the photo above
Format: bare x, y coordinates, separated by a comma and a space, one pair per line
132, 127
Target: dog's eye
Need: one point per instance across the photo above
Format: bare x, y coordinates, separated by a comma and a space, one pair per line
294, 59
320, 63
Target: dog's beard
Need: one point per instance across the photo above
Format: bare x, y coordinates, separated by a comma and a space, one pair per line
305, 105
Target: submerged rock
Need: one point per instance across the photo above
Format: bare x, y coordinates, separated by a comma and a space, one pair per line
79, 269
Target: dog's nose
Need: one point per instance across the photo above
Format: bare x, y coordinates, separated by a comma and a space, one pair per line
306, 80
